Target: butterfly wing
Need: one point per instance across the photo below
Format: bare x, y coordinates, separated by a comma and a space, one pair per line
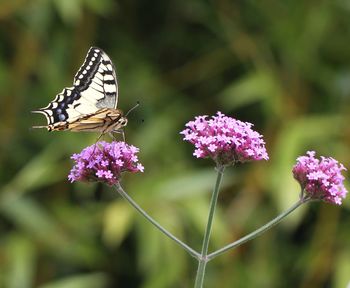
95, 87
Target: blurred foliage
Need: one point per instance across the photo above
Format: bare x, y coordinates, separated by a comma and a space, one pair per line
282, 65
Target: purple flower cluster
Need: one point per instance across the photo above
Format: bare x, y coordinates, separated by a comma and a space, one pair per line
321, 179
105, 162
224, 139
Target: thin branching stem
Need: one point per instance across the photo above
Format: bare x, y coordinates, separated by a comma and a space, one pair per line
257, 232
203, 260
121, 191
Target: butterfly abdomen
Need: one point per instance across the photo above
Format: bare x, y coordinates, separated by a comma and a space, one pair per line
105, 120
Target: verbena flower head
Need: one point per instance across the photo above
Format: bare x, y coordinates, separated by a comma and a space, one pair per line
224, 139
321, 179
105, 162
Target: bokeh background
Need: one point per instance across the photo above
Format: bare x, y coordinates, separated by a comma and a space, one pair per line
282, 65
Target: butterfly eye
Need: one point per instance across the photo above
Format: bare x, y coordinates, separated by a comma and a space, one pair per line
124, 122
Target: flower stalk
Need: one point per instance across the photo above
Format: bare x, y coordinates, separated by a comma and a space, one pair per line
122, 193
203, 257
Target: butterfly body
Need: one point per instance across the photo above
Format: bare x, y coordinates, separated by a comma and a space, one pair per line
91, 103
105, 120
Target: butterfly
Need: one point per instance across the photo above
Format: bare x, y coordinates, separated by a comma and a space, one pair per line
91, 103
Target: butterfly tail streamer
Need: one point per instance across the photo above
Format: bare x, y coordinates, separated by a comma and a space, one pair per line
38, 127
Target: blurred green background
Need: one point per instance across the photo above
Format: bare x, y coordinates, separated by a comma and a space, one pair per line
282, 65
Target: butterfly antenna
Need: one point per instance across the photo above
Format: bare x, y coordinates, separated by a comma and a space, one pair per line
137, 104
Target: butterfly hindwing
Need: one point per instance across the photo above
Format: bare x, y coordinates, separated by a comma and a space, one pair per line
58, 110
95, 87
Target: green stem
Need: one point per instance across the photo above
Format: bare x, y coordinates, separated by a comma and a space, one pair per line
203, 257
257, 232
121, 191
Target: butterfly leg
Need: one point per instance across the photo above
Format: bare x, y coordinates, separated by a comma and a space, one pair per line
117, 131
112, 136
122, 132
95, 145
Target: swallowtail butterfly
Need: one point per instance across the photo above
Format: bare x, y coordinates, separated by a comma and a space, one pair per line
91, 103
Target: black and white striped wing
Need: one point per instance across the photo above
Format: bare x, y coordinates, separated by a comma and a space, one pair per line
95, 87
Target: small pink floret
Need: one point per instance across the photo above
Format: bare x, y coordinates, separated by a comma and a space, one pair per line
224, 139
105, 162
321, 179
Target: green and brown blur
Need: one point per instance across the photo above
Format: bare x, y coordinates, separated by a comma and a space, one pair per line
282, 65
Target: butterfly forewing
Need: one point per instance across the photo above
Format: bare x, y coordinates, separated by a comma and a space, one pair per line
96, 80
94, 89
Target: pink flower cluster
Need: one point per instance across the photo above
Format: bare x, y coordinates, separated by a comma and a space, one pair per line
105, 162
321, 179
224, 139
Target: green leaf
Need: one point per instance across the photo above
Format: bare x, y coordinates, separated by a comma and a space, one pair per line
260, 85
93, 280
117, 221
69, 10
21, 255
